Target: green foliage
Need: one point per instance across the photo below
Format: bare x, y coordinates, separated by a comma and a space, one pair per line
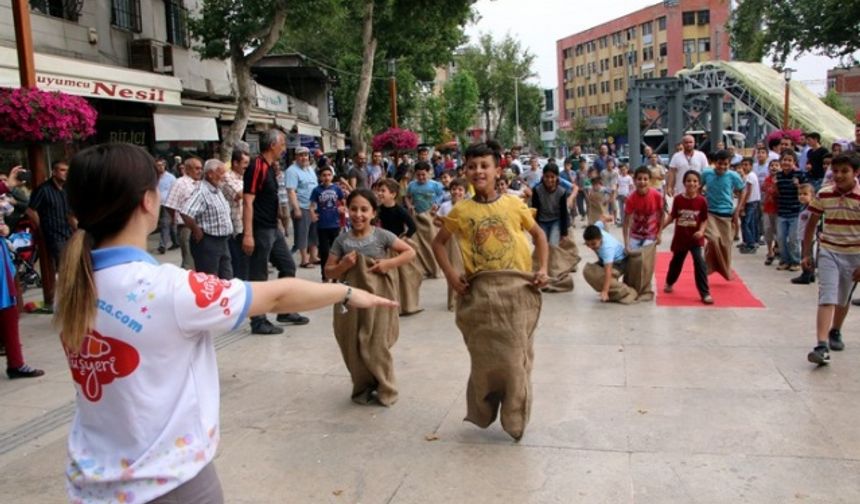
419, 34
760, 28
834, 101
461, 102
496, 65
240, 24
617, 124
431, 119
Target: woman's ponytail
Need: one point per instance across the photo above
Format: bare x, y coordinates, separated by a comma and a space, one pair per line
76, 298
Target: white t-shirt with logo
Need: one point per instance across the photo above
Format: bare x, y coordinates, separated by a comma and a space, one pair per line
147, 401
681, 164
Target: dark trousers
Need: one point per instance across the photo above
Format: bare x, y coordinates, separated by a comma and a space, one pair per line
326, 238
269, 244
699, 268
580, 203
750, 224
239, 260
166, 230
212, 255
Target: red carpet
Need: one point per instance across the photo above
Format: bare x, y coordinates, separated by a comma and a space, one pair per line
726, 294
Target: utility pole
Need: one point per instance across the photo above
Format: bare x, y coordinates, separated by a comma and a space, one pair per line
517, 107
785, 115
392, 90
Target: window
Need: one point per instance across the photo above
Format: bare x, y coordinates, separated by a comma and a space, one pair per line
688, 18
704, 17
647, 28
568, 94
648, 54
661, 23
125, 14
689, 46
664, 49
664, 72
177, 22
631, 33
546, 126
579, 50
56, 8
704, 45
549, 99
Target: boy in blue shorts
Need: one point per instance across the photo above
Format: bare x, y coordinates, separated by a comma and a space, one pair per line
839, 257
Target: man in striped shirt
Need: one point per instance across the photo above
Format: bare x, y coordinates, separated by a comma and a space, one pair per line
179, 193
839, 258
207, 215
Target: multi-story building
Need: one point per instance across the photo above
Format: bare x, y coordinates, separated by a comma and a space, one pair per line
549, 123
133, 61
846, 83
595, 66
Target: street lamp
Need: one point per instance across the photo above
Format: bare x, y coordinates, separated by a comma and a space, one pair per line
517, 104
392, 90
787, 74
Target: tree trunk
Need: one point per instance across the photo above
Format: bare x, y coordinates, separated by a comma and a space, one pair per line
487, 136
245, 92
356, 126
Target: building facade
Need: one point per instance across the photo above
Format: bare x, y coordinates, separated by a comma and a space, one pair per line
595, 66
846, 83
549, 123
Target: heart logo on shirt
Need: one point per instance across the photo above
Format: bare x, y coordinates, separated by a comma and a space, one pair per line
207, 288
99, 362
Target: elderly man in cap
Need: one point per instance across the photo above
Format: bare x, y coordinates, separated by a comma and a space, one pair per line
207, 215
300, 180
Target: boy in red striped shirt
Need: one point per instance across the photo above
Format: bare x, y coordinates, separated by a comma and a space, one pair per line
839, 258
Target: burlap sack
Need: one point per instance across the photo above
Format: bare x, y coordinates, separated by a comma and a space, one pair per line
452, 248
718, 245
596, 210
365, 337
424, 235
409, 278
640, 271
619, 292
498, 317
563, 259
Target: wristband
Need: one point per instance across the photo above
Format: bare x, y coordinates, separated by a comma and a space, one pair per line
344, 305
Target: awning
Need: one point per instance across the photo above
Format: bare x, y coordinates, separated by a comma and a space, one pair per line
179, 127
309, 129
92, 80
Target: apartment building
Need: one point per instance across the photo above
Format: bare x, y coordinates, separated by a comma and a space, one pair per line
845, 81
596, 65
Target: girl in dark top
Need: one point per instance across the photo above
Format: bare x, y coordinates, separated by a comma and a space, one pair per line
393, 217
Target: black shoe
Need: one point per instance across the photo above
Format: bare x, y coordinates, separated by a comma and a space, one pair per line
161, 250
856, 302
835, 340
292, 318
769, 260
803, 279
173, 247
24, 371
819, 355
266, 328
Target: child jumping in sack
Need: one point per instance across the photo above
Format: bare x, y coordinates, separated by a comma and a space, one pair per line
491, 231
359, 257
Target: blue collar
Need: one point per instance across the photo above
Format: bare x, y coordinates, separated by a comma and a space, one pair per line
114, 256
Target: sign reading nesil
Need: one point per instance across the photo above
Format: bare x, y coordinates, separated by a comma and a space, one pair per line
101, 89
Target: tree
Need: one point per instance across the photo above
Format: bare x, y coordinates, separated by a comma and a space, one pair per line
461, 102
760, 28
243, 32
495, 66
834, 101
431, 119
617, 123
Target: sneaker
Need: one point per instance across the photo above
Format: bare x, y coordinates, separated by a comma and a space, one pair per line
794, 268
161, 250
292, 318
769, 260
782, 267
856, 302
835, 340
708, 299
747, 250
803, 279
173, 247
24, 371
266, 328
819, 355
668, 288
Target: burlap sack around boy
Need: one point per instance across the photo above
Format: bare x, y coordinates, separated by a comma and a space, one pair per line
425, 232
497, 317
718, 245
455, 257
640, 271
409, 278
365, 337
619, 292
563, 259
596, 210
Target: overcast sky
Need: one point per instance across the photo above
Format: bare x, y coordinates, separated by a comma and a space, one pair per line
538, 24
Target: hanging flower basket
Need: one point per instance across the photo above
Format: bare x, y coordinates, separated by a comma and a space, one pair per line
793, 135
395, 139
31, 115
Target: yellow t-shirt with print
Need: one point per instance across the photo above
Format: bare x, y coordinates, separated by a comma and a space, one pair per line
492, 235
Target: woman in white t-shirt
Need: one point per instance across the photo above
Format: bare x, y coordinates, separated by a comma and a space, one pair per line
138, 336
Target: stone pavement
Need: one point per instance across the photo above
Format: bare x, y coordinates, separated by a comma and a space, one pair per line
635, 404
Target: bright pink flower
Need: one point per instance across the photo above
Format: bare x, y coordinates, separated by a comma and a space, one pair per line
31, 115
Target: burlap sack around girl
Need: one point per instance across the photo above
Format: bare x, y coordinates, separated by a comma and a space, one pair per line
563, 260
424, 235
718, 245
640, 271
409, 278
497, 317
365, 337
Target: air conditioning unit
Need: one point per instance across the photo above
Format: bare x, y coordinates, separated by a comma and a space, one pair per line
151, 56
